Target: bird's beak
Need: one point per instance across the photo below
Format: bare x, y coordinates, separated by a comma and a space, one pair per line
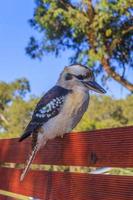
92, 85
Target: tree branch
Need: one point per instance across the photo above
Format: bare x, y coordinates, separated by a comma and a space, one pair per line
3, 119
67, 4
118, 40
115, 75
91, 10
111, 72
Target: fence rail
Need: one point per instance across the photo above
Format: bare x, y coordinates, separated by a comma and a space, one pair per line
101, 148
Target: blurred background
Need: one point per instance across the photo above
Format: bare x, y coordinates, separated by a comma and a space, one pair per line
38, 38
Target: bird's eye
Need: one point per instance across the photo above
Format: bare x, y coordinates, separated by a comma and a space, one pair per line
90, 74
81, 77
68, 77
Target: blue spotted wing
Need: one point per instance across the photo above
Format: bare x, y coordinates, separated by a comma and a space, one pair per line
48, 106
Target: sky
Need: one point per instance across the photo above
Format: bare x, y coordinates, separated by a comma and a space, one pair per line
14, 63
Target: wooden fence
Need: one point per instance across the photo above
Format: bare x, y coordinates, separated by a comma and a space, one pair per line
101, 148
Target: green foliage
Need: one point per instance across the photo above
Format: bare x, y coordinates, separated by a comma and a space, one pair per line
105, 112
93, 29
15, 111
18, 116
9, 92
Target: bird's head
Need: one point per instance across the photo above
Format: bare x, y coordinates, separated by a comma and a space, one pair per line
79, 76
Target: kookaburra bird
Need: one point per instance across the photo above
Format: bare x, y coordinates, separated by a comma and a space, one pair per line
61, 108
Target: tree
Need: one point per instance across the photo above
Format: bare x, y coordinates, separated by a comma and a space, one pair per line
100, 32
15, 111
13, 90
18, 116
105, 112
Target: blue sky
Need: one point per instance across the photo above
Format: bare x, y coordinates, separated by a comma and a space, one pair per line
14, 63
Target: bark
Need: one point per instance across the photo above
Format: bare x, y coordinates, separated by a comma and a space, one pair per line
115, 75
3, 119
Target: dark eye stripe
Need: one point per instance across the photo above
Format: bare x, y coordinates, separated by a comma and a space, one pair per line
88, 75
81, 77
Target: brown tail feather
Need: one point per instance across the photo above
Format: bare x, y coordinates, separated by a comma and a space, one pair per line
30, 159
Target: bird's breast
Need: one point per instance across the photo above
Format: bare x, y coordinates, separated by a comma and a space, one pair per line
71, 112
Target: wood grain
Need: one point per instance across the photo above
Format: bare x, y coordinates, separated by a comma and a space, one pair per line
72, 186
108, 147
